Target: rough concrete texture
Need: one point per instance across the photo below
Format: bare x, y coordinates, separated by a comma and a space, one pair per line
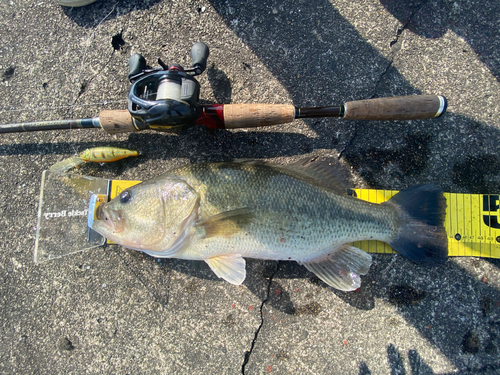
115, 311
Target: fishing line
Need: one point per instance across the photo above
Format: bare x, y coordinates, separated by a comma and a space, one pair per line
88, 44
78, 79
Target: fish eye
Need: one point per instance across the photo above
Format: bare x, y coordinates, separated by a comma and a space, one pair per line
125, 196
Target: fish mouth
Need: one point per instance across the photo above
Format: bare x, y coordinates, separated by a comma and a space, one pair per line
112, 220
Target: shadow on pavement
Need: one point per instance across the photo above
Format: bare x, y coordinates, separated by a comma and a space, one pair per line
432, 19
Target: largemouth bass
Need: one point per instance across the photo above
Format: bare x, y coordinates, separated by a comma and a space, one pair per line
224, 212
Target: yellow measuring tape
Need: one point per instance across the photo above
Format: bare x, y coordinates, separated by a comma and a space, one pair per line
472, 221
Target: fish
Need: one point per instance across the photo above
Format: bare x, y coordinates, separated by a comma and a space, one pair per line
96, 155
224, 212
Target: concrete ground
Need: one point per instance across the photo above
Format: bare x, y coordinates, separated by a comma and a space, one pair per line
115, 311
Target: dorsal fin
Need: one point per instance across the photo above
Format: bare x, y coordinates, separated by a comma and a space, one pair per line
248, 161
328, 173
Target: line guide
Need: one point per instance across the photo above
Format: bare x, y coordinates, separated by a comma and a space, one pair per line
472, 221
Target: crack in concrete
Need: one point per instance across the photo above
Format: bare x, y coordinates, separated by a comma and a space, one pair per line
350, 142
248, 353
394, 45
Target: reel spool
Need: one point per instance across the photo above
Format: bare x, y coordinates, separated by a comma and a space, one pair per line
166, 98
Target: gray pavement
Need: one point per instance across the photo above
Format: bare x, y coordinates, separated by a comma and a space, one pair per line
115, 311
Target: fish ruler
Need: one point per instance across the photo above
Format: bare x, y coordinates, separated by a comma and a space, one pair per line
472, 221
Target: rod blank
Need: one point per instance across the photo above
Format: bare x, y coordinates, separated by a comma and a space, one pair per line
51, 125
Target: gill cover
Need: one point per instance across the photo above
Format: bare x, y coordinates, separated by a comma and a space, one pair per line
152, 216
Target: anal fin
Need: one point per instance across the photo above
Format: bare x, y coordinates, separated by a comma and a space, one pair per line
341, 268
228, 267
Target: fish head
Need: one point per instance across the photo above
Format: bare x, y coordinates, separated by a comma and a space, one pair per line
153, 215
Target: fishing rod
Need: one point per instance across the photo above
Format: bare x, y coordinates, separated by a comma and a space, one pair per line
166, 99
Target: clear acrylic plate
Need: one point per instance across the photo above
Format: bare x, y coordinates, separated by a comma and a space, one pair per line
62, 227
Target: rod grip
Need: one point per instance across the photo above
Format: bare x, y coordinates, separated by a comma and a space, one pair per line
117, 121
396, 108
253, 115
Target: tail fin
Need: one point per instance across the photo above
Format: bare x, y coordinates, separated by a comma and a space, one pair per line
422, 236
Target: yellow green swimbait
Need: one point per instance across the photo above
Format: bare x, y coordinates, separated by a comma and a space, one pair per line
96, 155
106, 154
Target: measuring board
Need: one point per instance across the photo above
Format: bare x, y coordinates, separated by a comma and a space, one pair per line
472, 221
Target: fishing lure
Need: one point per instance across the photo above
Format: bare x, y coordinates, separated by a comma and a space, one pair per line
95, 155
106, 154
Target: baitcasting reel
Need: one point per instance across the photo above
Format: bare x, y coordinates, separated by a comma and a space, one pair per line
166, 98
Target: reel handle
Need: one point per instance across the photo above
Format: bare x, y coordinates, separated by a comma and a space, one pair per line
199, 56
136, 65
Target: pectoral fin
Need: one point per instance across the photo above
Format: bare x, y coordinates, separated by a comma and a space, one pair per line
228, 267
341, 268
226, 223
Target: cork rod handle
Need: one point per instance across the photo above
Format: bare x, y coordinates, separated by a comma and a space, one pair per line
116, 121
253, 115
397, 108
